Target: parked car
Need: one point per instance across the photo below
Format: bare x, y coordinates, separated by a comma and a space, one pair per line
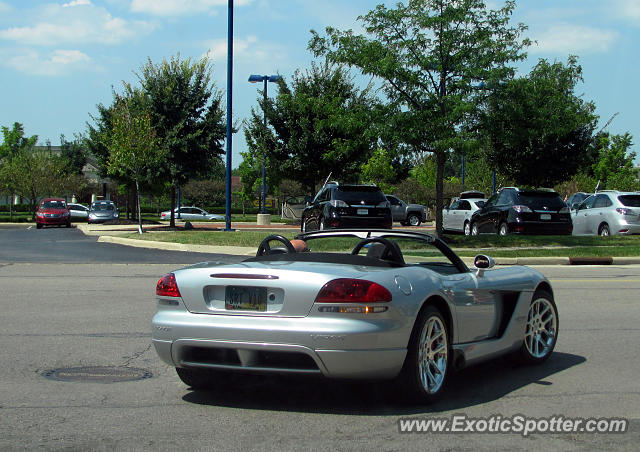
53, 212
360, 312
347, 206
406, 214
101, 211
457, 217
576, 199
191, 213
522, 212
608, 212
78, 210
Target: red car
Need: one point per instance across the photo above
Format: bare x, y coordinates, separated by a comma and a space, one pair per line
53, 211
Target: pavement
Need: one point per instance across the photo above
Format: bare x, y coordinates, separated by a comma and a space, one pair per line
112, 234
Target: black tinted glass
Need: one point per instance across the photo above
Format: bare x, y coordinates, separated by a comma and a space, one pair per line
540, 200
630, 200
357, 195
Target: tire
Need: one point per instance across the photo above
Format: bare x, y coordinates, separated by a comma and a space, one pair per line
541, 333
604, 231
413, 219
474, 229
38, 225
466, 228
427, 364
503, 229
198, 379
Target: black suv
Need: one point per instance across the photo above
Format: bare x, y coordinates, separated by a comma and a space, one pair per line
523, 212
347, 206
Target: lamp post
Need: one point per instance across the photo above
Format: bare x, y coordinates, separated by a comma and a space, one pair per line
229, 113
257, 79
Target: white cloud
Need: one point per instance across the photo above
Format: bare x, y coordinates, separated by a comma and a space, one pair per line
573, 39
4, 7
263, 56
72, 24
629, 9
58, 62
170, 8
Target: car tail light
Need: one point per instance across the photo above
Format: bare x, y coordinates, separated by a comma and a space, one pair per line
622, 211
348, 290
338, 203
521, 209
167, 286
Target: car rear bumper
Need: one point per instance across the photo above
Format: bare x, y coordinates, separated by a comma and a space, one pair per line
540, 227
351, 222
342, 348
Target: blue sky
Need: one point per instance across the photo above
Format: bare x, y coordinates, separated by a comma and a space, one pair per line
58, 59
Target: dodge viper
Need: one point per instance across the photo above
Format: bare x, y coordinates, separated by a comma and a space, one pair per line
356, 304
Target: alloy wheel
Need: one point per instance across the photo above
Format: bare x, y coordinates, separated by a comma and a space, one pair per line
432, 355
542, 328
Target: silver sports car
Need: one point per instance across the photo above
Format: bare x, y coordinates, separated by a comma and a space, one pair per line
359, 304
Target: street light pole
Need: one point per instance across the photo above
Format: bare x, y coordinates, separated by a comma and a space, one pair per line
229, 113
265, 79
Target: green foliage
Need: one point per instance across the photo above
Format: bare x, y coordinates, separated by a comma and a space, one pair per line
579, 182
75, 153
539, 130
322, 123
614, 167
15, 141
379, 170
205, 192
430, 54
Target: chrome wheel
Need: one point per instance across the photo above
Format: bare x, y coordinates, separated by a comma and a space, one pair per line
604, 231
414, 220
542, 328
467, 228
503, 229
432, 354
474, 229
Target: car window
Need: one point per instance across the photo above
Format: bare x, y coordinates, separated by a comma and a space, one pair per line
102, 207
541, 200
587, 203
629, 200
505, 198
393, 200
359, 195
492, 201
464, 205
602, 201
54, 205
479, 204
455, 205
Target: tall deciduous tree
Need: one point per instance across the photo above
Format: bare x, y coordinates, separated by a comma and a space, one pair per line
13, 142
133, 148
187, 116
322, 123
430, 55
539, 129
614, 168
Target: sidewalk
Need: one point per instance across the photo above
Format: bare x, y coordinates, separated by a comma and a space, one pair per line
110, 234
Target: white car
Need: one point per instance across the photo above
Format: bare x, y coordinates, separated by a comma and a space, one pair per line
78, 210
192, 213
608, 212
457, 217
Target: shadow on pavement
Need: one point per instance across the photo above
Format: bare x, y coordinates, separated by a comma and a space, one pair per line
472, 386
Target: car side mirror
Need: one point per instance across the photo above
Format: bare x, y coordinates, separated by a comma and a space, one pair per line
483, 262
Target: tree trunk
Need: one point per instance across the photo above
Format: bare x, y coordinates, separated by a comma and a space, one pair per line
441, 159
138, 203
172, 223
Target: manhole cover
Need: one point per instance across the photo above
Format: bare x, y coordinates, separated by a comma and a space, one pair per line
97, 374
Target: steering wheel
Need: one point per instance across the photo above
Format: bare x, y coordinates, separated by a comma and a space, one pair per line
391, 250
264, 247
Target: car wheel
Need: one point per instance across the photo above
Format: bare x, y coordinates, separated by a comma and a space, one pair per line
413, 220
467, 228
503, 230
604, 231
38, 225
426, 367
197, 378
474, 229
541, 332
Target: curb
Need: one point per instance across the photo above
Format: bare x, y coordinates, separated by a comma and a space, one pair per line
234, 250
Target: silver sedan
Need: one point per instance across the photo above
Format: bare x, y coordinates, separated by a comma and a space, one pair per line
360, 305
191, 213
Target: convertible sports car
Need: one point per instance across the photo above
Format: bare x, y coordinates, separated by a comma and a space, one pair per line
361, 304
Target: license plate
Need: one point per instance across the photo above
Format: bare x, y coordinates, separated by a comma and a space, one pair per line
545, 216
245, 298
362, 211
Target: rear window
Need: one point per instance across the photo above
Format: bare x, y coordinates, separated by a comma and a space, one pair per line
540, 200
102, 207
630, 200
359, 194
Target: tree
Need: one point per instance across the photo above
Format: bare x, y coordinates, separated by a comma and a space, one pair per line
430, 55
74, 152
380, 170
614, 168
13, 143
187, 116
133, 148
205, 192
535, 120
322, 123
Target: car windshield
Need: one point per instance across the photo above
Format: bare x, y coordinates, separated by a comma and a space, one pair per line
53, 205
358, 195
540, 200
104, 207
629, 200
